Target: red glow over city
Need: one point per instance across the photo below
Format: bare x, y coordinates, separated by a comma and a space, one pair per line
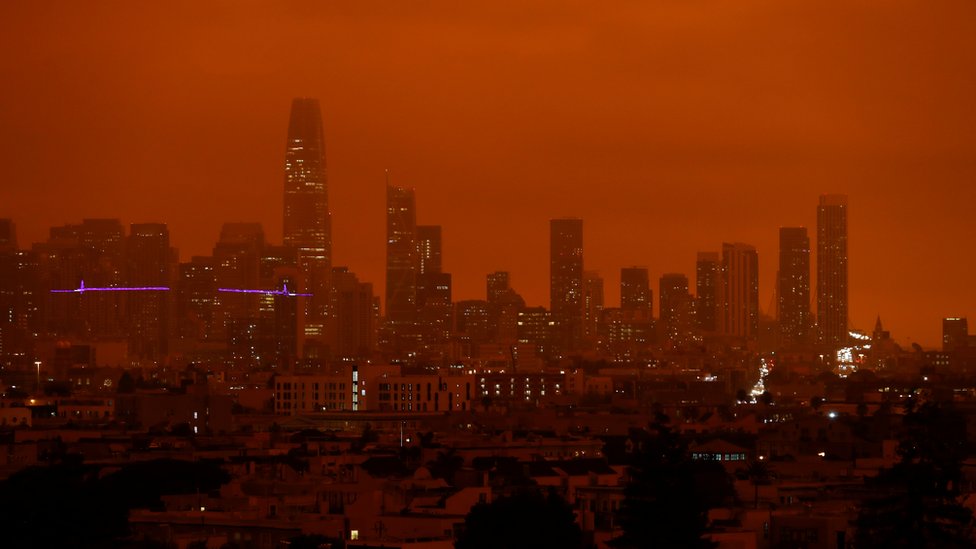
469, 275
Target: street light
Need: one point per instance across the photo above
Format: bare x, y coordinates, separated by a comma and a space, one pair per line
38, 387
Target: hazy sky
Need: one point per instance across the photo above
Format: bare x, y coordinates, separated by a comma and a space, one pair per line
668, 126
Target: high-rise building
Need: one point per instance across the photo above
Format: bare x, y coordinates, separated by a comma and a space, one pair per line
793, 286
60, 266
955, 334
498, 283
740, 291
677, 315
20, 306
149, 263
428, 249
535, 330
832, 314
196, 300
472, 323
8, 235
635, 290
504, 304
434, 287
708, 280
592, 305
566, 282
307, 222
352, 327
434, 306
401, 258
237, 265
100, 246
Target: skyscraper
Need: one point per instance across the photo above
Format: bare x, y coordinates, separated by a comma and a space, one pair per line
566, 281
472, 323
635, 290
832, 269
428, 249
793, 285
237, 264
435, 307
20, 310
740, 291
708, 279
592, 305
307, 222
8, 235
196, 300
497, 285
955, 334
101, 243
351, 326
433, 287
676, 309
401, 257
149, 262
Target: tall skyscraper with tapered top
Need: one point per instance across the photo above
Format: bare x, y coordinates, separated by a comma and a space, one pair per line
566, 282
307, 221
832, 269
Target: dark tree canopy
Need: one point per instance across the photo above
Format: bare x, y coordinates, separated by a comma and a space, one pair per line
667, 500
528, 519
62, 505
69, 504
126, 384
141, 483
446, 465
916, 503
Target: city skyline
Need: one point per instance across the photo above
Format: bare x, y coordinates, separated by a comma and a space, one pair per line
602, 126
425, 247
470, 275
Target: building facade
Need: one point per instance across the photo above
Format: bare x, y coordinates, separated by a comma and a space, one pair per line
566, 282
793, 286
832, 314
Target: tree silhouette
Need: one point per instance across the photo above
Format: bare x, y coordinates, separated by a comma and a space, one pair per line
667, 499
126, 384
759, 473
916, 502
528, 519
446, 465
61, 505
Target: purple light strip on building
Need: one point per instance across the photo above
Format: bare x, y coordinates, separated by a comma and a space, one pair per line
136, 289
284, 291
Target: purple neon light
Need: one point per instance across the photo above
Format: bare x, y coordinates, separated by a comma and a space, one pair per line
284, 291
82, 289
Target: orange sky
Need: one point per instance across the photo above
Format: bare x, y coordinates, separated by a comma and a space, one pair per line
669, 127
